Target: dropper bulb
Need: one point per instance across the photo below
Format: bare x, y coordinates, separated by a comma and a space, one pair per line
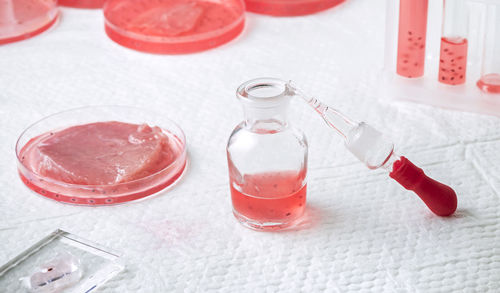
440, 198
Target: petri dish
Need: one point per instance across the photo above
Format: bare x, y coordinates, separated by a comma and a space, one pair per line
289, 7
22, 19
92, 192
489, 83
173, 26
82, 3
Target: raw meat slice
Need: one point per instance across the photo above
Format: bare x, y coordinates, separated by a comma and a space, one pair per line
101, 153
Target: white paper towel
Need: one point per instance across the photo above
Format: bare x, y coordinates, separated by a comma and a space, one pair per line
362, 232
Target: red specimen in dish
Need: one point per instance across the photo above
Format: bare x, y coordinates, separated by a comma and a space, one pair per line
290, 7
82, 3
173, 27
22, 19
99, 153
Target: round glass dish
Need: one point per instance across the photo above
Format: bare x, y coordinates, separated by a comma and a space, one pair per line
173, 26
289, 7
23, 19
82, 3
102, 194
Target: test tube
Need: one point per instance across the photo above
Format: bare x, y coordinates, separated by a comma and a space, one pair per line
411, 37
490, 71
453, 56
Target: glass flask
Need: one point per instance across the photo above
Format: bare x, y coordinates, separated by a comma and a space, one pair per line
22, 19
267, 159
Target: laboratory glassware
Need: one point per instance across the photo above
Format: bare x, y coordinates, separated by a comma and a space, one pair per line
461, 64
290, 7
267, 159
60, 189
60, 262
173, 27
453, 53
82, 3
22, 19
371, 147
490, 70
412, 37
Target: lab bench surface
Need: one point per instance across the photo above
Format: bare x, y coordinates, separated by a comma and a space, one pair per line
361, 231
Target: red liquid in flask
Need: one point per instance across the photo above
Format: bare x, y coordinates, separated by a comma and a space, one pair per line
22, 19
411, 37
453, 61
269, 200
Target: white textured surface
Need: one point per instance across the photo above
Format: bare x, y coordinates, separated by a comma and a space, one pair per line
363, 232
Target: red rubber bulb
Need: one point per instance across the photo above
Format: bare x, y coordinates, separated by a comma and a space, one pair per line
440, 198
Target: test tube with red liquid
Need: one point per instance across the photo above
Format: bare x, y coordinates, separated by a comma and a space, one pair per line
490, 71
453, 56
412, 38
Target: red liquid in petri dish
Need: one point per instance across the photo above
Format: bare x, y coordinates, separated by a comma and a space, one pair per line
290, 7
411, 37
490, 83
82, 3
22, 19
101, 163
270, 200
173, 27
453, 61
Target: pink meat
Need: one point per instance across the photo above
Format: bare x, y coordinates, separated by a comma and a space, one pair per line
102, 153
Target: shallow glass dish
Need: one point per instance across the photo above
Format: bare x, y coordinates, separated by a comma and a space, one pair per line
109, 193
290, 7
97, 264
23, 19
91, 4
173, 26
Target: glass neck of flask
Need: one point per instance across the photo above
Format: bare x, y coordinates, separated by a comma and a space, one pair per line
265, 103
266, 118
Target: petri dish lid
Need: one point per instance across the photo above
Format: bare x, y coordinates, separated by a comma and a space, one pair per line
173, 26
82, 3
22, 19
166, 170
289, 7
